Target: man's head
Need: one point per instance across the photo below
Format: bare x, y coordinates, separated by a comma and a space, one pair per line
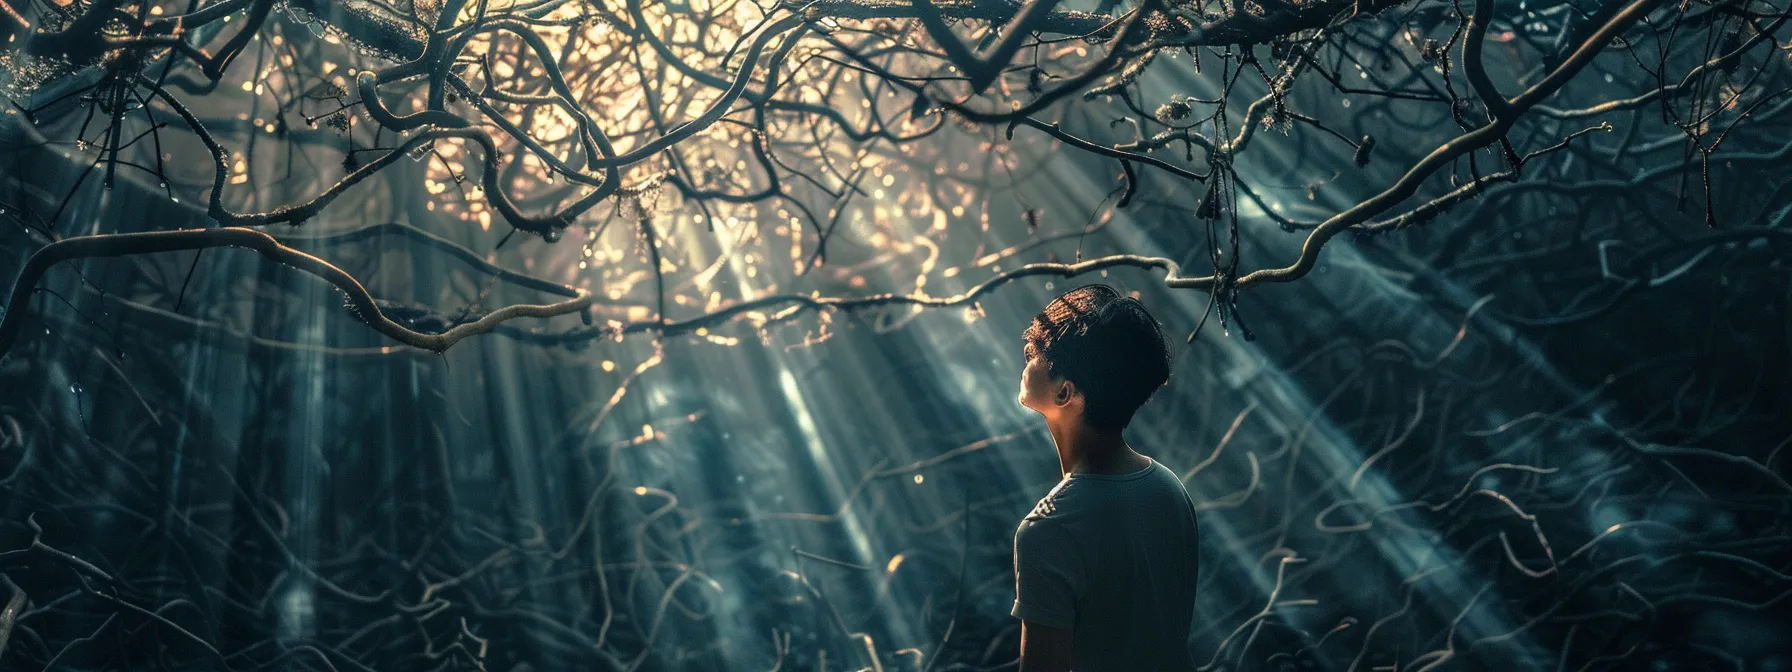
1093, 355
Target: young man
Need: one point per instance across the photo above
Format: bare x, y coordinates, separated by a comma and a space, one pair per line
1105, 564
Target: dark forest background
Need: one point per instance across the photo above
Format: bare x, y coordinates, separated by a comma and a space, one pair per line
1526, 414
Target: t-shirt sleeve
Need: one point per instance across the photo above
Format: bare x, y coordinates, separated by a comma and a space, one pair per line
1048, 576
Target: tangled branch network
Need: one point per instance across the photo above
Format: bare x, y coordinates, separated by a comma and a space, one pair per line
1463, 486
679, 140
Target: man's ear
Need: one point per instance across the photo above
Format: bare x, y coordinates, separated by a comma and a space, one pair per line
1066, 392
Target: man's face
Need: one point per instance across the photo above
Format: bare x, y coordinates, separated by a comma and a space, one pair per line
1036, 387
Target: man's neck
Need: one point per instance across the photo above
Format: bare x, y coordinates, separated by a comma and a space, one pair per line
1082, 449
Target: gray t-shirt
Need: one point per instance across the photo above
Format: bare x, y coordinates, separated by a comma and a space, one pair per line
1112, 557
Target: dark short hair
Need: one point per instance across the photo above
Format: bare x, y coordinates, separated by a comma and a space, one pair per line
1108, 345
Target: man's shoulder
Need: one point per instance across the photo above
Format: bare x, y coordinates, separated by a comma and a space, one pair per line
1167, 478
1055, 505
1045, 527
